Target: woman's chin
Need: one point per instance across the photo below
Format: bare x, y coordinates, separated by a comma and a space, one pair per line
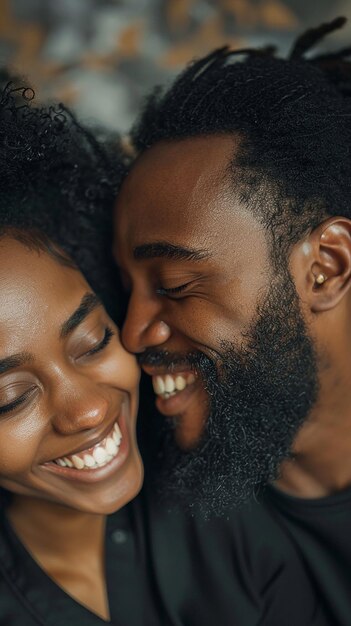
123, 493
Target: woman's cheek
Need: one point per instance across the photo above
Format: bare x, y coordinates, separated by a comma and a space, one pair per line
20, 440
121, 370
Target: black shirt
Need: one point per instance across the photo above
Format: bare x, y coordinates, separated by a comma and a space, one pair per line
28, 597
320, 530
243, 569
278, 562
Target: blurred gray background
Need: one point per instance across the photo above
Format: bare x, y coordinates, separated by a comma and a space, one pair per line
102, 56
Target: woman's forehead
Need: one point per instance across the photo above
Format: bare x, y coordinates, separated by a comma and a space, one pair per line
35, 289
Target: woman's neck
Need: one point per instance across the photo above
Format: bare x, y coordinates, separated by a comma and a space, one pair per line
41, 523
68, 544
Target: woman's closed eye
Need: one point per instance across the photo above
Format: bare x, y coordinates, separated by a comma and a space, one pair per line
10, 406
13, 390
98, 347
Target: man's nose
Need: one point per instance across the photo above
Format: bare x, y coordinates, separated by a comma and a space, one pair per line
81, 405
143, 327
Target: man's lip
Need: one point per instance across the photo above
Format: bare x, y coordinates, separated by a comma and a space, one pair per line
177, 404
91, 442
163, 371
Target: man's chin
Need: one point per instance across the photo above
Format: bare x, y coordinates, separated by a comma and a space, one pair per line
188, 422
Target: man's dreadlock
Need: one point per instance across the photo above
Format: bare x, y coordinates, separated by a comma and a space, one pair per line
293, 115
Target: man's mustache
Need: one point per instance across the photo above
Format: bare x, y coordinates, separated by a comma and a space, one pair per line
164, 358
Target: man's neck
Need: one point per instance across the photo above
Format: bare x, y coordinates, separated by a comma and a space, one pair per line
322, 449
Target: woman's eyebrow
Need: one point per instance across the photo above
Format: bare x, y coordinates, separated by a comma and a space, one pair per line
16, 360
89, 302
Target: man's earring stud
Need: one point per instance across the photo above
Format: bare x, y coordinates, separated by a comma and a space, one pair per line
320, 279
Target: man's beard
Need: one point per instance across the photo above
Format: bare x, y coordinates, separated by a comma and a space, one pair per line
260, 395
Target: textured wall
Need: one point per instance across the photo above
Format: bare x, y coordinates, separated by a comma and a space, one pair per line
102, 56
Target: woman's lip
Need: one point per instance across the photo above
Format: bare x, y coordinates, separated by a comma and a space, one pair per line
99, 473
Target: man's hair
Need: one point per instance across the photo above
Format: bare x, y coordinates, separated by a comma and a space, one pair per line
57, 186
294, 120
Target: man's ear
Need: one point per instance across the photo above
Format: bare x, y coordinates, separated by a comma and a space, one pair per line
321, 264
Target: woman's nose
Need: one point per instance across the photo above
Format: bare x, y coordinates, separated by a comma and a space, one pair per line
81, 406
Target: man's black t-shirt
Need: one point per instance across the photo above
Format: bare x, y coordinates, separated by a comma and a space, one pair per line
320, 531
244, 569
277, 562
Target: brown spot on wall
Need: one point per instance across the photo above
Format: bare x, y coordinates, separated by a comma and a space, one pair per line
178, 14
275, 14
129, 40
272, 13
209, 35
243, 11
28, 38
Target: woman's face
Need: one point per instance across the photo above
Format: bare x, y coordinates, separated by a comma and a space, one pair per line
68, 389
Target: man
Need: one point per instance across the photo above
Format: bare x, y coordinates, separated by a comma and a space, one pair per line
233, 235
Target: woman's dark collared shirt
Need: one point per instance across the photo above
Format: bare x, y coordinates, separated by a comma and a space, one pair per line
28, 597
278, 562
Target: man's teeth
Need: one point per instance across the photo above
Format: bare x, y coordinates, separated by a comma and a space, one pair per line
98, 456
166, 386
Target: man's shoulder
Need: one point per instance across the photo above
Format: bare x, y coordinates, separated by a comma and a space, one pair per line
253, 531
250, 534
241, 562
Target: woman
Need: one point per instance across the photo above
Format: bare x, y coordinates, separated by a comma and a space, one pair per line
68, 390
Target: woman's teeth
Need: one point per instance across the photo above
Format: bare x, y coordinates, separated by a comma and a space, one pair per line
167, 386
97, 456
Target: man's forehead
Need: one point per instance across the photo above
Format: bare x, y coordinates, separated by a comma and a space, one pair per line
207, 232
177, 180
182, 163
183, 193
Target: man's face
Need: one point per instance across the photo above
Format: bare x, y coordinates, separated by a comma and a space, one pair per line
178, 224
204, 298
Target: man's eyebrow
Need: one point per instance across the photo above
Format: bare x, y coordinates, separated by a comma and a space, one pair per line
158, 249
16, 360
89, 302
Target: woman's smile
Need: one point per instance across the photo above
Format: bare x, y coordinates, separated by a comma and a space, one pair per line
96, 461
96, 455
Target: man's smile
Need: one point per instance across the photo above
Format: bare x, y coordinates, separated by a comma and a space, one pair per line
168, 385
173, 387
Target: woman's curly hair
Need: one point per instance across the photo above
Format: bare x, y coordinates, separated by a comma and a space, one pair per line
58, 185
